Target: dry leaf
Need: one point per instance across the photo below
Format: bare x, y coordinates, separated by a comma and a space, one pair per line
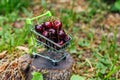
18, 24
3, 67
112, 20
14, 64
22, 48
63, 1
78, 9
2, 55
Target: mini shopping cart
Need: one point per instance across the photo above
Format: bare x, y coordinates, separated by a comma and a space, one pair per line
53, 52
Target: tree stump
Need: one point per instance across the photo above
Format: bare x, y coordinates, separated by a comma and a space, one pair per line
50, 72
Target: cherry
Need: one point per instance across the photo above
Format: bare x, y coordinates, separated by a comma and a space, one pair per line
45, 33
39, 28
57, 24
52, 34
48, 25
52, 31
43, 24
61, 43
67, 38
61, 34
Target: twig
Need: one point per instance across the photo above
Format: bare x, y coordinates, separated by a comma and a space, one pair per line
7, 70
20, 72
89, 63
117, 75
23, 78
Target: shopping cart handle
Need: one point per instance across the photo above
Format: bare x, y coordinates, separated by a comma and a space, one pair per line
29, 21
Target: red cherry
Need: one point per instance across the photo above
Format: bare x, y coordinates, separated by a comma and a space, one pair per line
61, 43
57, 25
67, 38
45, 33
61, 34
48, 25
52, 31
43, 24
39, 28
53, 35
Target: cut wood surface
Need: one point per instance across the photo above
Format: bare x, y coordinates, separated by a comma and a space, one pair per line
50, 72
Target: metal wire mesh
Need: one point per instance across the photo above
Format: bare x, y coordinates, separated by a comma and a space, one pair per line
53, 52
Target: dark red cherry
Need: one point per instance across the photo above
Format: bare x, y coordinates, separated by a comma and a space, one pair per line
48, 25
67, 38
57, 24
52, 31
61, 43
43, 24
39, 28
45, 33
61, 34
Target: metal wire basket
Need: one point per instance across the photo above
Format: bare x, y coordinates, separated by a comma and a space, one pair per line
53, 52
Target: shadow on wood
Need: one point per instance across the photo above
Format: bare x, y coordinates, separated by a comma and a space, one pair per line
50, 72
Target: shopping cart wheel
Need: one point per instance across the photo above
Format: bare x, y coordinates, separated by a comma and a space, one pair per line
64, 58
54, 63
34, 56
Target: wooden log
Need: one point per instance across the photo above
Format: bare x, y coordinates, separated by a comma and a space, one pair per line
50, 72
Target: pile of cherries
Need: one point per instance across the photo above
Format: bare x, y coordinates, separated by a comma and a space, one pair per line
53, 31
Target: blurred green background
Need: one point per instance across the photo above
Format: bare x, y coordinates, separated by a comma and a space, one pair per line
93, 24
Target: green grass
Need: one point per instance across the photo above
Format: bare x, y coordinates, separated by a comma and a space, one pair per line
104, 57
10, 37
7, 6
